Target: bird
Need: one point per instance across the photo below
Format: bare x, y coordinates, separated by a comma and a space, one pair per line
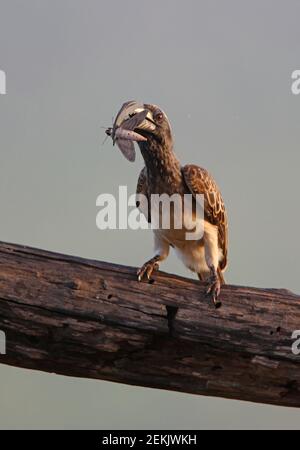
206, 255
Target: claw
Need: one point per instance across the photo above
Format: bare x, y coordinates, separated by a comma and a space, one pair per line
214, 288
147, 269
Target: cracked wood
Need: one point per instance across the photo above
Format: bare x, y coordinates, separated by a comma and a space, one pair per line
92, 319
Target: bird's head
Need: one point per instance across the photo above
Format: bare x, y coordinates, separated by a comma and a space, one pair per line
155, 127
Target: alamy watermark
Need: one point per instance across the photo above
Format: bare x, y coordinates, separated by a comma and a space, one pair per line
2, 343
296, 343
296, 83
179, 212
2, 82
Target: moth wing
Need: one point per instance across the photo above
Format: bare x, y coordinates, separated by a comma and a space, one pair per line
134, 121
127, 148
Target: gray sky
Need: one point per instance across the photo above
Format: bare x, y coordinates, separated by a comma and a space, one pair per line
222, 72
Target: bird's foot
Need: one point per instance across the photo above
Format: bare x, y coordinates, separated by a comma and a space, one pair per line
148, 268
214, 287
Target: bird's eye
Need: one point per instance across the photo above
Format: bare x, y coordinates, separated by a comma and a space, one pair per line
159, 117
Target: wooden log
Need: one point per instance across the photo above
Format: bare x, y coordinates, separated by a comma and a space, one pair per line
92, 319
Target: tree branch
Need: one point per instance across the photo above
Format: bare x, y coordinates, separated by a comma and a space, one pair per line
91, 319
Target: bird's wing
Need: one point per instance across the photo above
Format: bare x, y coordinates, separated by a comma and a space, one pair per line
142, 188
199, 181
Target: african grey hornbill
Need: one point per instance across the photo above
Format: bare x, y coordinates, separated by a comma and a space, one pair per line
163, 174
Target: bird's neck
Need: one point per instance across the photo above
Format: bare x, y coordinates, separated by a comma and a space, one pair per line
163, 168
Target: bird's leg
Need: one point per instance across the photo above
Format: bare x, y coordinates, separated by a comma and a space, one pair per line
162, 249
149, 267
214, 286
211, 256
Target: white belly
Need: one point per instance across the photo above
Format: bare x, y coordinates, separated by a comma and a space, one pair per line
191, 252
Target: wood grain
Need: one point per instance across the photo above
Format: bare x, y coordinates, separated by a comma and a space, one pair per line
92, 319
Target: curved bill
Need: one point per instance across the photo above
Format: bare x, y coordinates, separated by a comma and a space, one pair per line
125, 112
133, 116
128, 118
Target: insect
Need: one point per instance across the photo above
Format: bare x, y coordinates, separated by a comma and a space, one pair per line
124, 135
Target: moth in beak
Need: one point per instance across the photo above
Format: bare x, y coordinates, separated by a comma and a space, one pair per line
131, 118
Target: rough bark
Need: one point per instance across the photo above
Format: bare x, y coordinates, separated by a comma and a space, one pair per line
92, 319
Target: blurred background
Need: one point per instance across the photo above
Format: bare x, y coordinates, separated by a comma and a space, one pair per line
222, 72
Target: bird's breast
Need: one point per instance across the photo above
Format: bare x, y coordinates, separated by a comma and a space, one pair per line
179, 227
